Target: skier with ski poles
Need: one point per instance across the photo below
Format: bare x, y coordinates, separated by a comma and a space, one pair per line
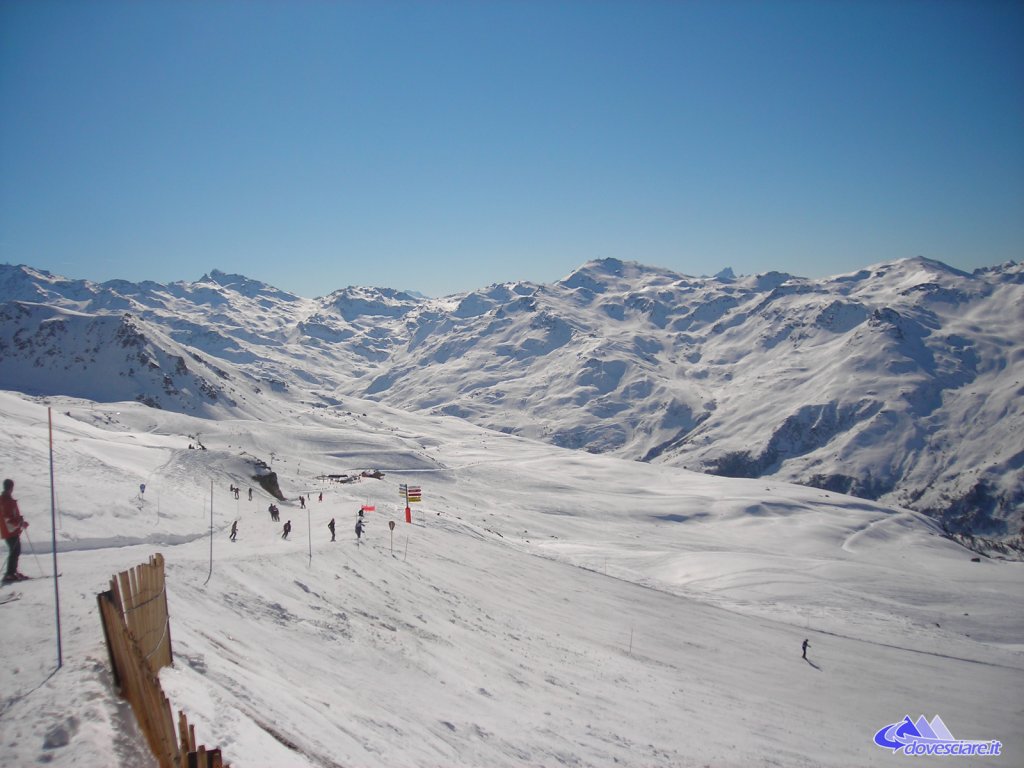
11, 526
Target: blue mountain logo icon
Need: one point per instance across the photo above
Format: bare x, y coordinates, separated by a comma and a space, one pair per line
925, 738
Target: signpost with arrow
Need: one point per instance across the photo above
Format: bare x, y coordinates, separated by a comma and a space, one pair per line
413, 495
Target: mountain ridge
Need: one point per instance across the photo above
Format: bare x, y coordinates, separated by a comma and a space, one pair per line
899, 382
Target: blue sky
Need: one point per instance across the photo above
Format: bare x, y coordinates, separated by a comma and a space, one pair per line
444, 146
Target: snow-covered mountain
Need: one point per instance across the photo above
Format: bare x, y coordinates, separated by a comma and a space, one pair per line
902, 382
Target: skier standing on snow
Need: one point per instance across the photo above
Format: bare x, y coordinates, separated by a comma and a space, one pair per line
250, 494
302, 502
287, 529
805, 646
330, 526
234, 530
11, 526
359, 529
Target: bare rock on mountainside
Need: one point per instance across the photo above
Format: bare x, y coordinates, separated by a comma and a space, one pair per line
902, 382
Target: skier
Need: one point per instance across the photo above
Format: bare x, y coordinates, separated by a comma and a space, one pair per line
360, 513
359, 530
11, 526
330, 526
805, 646
250, 494
302, 502
287, 529
234, 530
320, 497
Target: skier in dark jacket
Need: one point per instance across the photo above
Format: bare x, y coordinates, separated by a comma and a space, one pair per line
805, 646
234, 530
359, 529
287, 529
330, 526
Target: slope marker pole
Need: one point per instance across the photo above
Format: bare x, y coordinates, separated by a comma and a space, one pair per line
210, 574
53, 528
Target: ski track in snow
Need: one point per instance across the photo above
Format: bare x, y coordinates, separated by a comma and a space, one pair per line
545, 608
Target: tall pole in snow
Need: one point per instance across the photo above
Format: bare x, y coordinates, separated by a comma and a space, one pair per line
210, 574
53, 528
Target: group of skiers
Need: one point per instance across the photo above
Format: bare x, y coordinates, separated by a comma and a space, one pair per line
359, 527
275, 516
303, 499
236, 490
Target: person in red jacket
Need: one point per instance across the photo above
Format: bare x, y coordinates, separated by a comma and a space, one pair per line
11, 526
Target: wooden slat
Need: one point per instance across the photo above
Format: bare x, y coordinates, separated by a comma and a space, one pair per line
137, 629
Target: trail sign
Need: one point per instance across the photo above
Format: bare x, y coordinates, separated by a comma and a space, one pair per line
412, 495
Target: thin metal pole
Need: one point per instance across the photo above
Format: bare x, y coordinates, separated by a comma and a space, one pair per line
210, 574
53, 528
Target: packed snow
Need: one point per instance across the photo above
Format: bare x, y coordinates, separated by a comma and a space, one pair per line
545, 607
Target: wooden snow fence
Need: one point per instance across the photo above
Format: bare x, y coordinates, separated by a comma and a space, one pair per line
138, 634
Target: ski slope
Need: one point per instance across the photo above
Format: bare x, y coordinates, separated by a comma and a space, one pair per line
545, 607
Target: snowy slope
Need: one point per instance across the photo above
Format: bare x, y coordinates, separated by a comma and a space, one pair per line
547, 607
900, 383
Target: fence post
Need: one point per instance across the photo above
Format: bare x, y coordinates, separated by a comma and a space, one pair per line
136, 627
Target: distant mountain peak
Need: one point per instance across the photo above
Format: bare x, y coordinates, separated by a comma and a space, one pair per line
244, 286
